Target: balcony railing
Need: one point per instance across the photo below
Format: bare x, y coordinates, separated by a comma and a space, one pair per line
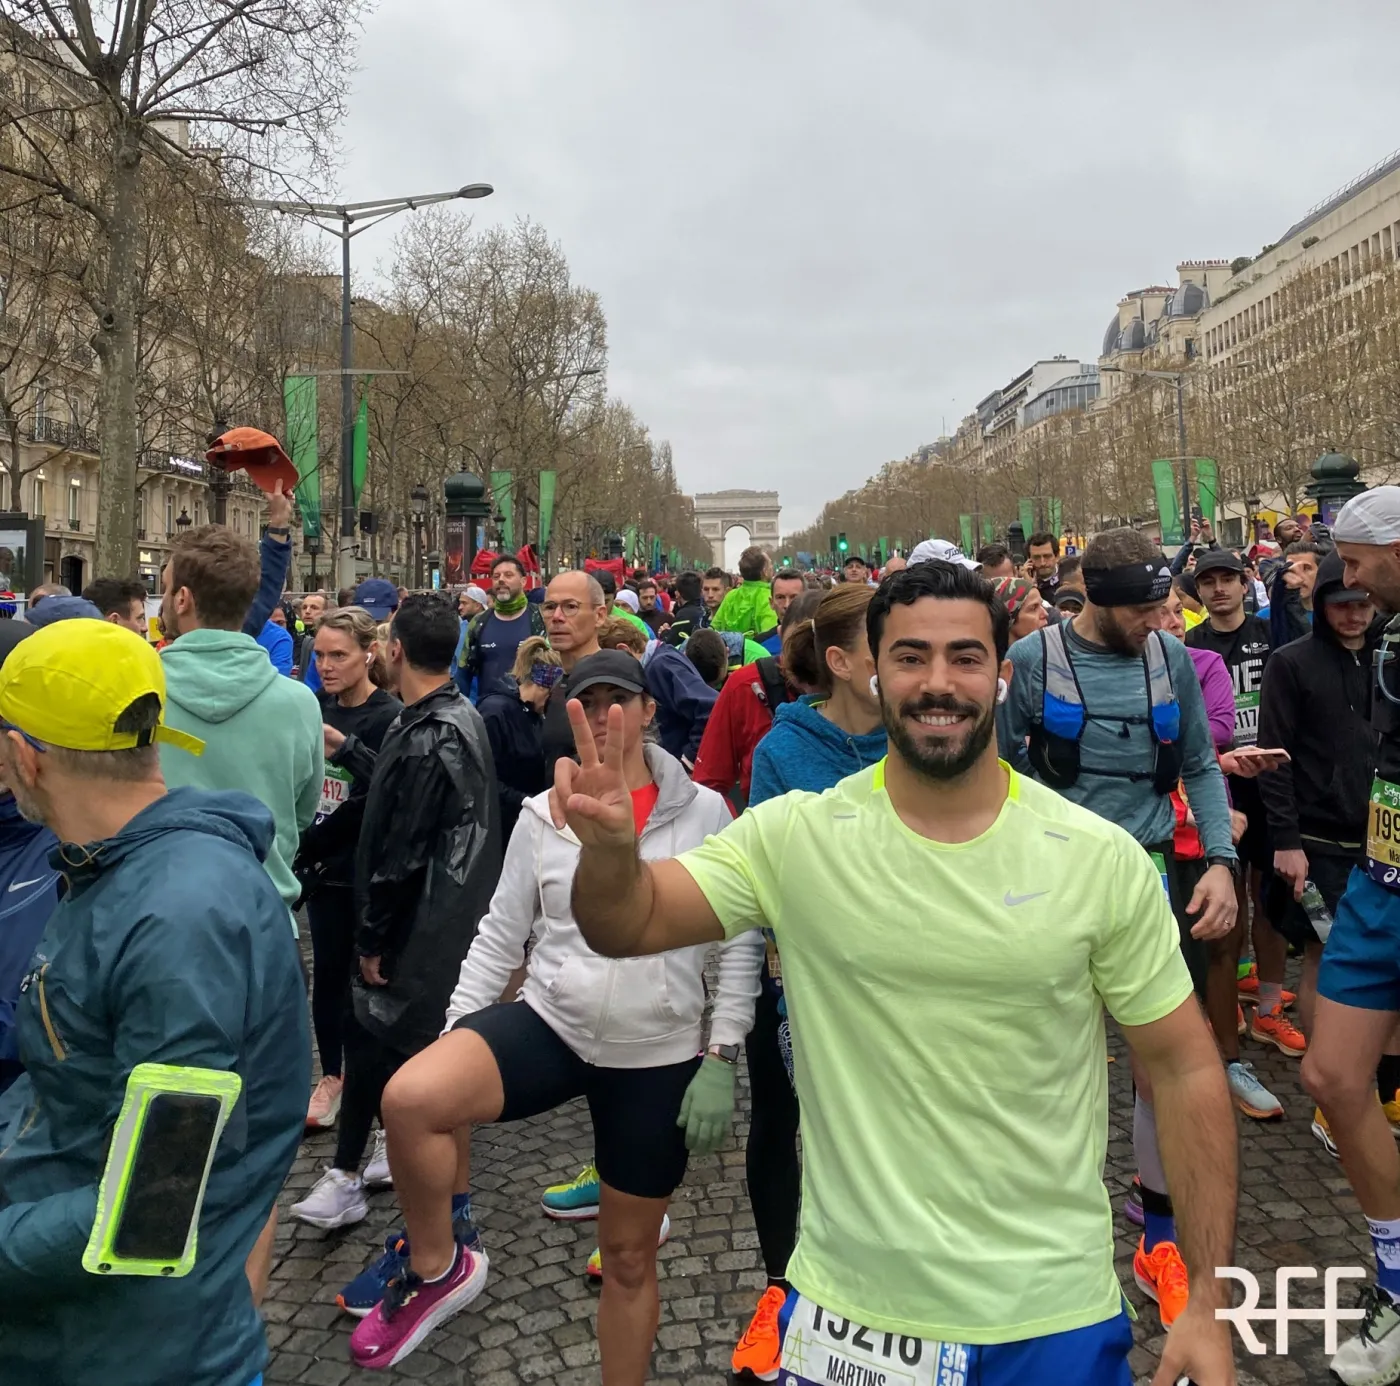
191, 469
63, 434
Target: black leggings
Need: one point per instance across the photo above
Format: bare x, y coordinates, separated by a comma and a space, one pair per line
369, 1064
770, 1161
331, 911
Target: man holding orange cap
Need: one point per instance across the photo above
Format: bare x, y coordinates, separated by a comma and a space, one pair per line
170, 948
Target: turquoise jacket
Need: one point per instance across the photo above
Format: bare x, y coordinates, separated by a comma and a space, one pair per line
261, 732
172, 947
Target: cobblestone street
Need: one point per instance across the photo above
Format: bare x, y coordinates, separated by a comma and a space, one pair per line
533, 1323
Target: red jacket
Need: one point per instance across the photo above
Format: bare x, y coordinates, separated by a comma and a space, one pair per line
739, 720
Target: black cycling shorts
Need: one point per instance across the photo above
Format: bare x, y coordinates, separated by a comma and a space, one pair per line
638, 1148
1254, 849
1183, 875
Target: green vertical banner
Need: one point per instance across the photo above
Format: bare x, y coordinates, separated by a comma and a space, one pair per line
675, 563
1026, 508
1056, 516
503, 498
969, 544
359, 453
548, 484
989, 530
1168, 504
884, 549
655, 556
629, 546
1207, 487
299, 404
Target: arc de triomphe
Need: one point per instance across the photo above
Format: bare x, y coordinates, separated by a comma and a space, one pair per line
755, 512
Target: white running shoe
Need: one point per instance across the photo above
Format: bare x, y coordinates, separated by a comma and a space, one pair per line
337, 1200
377, 1171
1372, 1358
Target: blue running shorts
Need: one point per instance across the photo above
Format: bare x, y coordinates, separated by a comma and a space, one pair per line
834, 1352
1361, 961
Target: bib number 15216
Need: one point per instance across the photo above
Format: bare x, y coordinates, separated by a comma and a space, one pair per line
823, 1349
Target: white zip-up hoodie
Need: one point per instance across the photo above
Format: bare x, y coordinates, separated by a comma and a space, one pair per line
612, 1012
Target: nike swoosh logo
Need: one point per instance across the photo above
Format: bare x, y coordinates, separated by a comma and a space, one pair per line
1010, 899
20, 885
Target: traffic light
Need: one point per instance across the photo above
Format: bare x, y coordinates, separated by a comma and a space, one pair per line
831, 543
841, 544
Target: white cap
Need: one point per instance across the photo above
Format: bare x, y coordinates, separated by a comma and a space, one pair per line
628, 598
1373, 517
478, 596
940, 548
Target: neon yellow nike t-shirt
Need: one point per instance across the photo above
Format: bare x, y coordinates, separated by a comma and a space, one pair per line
948, 1044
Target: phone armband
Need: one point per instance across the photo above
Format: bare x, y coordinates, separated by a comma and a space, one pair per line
158, 1163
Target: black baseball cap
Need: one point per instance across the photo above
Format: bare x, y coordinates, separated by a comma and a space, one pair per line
1223, 559
854, 558
614, 667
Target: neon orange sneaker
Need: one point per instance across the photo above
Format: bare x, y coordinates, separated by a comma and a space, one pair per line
760, 1348
1279, 1031
1161, 1275
1247, 987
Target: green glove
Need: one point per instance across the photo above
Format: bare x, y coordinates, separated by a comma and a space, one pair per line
707, 1109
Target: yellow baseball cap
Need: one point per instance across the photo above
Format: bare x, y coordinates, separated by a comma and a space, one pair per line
68, 684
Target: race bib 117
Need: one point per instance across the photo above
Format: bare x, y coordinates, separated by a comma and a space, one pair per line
821, 1349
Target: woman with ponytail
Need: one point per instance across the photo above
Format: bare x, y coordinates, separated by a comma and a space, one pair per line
816, 740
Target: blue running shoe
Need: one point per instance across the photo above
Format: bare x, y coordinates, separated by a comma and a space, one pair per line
367, 1288
576, 1201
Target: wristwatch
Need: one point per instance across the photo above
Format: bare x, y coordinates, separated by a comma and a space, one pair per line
727, 1053
281, 531
1220, 861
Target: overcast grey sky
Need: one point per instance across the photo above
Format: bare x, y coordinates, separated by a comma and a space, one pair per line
821, 228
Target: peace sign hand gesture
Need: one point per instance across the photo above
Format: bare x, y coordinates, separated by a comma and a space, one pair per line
591, 796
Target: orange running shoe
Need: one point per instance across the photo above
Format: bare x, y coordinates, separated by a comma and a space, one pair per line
760, 1348
1279, 1031
1247, 987
1161, 1275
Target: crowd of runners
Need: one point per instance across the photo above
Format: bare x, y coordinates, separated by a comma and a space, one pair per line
895, 841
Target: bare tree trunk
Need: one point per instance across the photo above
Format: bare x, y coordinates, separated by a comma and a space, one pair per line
16, 469
115, 343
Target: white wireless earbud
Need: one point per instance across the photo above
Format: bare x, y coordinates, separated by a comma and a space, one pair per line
1002, 690
874, 685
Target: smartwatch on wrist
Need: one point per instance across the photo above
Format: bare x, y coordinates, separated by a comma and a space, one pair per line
281, 531
1220, 861
726, 1053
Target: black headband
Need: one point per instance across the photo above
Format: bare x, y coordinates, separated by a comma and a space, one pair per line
1132, 584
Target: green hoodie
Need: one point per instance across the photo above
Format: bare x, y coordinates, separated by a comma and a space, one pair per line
261, 733
747, 610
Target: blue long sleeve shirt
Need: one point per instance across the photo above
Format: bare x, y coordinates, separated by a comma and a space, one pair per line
683, 700
276, 561
1114, 686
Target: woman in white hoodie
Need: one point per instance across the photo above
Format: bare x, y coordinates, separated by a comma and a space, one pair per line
625, 1033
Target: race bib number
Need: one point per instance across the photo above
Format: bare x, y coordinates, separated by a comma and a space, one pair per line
1246, 719
821, 1349
335, 789
1160, 862
1383, 833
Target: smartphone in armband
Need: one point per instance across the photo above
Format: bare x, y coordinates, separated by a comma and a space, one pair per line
158, 1164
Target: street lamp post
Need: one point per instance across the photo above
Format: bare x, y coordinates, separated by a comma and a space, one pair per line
418, 501
347, 220
1179, 377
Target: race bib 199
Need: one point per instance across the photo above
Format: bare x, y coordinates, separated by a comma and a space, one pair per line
335, 789
1383, 834
1246, 719
821, 1349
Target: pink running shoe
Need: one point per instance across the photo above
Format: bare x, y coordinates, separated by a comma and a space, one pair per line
411, 1309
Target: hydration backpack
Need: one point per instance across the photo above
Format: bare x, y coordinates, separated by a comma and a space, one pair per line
1056, 733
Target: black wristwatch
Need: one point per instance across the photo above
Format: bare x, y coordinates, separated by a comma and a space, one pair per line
1220, 861
727, 1053
281, 531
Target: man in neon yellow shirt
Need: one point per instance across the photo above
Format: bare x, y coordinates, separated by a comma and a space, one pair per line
954, 1218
